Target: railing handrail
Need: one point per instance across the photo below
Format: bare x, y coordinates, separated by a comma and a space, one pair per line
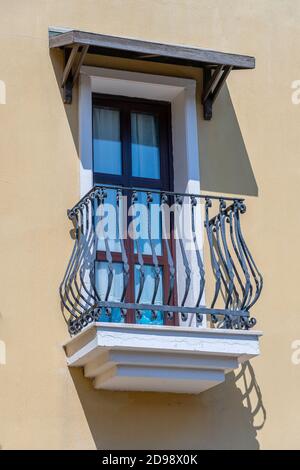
155, 191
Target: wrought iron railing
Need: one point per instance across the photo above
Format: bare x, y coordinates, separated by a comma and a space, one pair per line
210, 277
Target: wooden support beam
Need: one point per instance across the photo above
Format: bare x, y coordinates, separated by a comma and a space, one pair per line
212, 84
69, 63
79, 63
73, 62
67, 78
221, 82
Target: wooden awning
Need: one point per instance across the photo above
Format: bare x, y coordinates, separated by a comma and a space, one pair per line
217, 65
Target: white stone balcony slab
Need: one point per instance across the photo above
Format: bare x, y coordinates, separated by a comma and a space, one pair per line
153, 358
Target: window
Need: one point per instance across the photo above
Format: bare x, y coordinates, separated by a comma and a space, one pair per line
132, 149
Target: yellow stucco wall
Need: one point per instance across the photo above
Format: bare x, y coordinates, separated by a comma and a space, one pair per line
250, 147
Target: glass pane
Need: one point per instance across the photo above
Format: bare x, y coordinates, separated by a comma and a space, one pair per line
145, 146
107, 141
141, 224
115, 292
146, 298
106, 222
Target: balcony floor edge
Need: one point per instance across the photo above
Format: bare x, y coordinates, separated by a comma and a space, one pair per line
133, 357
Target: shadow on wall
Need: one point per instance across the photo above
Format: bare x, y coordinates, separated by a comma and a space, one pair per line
225, 417
225, 166
57, 60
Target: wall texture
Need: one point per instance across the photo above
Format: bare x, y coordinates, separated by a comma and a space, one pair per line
250, 148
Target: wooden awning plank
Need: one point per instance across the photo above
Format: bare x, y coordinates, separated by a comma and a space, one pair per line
166, 52
217, 65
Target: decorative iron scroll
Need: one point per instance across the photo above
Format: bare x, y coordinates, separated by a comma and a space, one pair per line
197, 224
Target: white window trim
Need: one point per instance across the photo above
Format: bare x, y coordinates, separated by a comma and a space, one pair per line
181, 93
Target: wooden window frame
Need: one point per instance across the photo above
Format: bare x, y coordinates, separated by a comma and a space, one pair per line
162, 110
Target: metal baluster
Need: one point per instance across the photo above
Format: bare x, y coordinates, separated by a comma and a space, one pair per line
140, 261
247, 288
251, 263
123, 254
81, 261
88, 263
155, 268
95, 311
73, 286
236, 304
80, 298
63, 288
86, 252
228, 264
198, 256
83, 295
215, 264
243, 255
222, 265
179, 203
101, 196
164, 201
69, 292
75, 289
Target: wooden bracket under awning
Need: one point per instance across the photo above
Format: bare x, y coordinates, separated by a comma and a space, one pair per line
216, 65
213, 81
74, 58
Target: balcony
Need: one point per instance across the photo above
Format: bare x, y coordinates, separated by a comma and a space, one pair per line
158, 290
